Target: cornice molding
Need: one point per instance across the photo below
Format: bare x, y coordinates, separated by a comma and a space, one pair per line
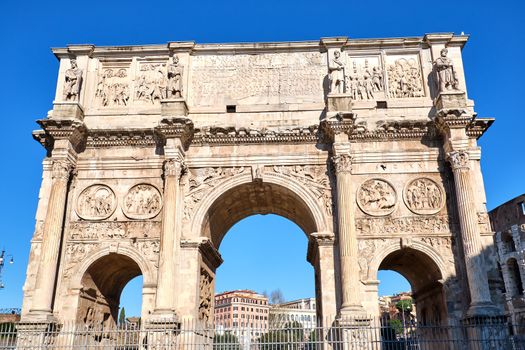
104, 138
388, 131
61, 129
216, 136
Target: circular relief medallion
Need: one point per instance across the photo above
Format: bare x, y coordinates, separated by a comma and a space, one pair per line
96, 202
377, 197
424, 196
143, 201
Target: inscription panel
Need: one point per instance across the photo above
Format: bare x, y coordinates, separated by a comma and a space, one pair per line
258, 79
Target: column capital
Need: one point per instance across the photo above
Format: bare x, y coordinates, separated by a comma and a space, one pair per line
459, 160
174, 167
61, 169
342, 163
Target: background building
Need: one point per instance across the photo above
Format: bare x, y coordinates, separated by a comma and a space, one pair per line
508, 222
388, 306
243, 313
301, 310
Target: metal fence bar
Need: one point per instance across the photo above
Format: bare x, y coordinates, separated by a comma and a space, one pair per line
365, 334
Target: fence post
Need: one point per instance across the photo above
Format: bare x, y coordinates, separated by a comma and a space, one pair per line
487, 332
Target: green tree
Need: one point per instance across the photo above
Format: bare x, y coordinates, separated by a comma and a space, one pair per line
226, 341
122, 317
397, 326
404, 305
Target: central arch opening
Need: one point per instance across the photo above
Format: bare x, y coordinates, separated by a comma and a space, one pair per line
256, 198
267, 228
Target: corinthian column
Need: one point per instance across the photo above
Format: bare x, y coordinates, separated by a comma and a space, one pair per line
165, 299
52, 236
347, 236
477, 278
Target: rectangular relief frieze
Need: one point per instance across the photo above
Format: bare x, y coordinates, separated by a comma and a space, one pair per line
404, 76
365, 78
295, 77
113, 84
113, 230
412, 225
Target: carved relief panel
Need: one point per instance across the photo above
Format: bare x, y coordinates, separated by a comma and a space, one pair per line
201, 181
365, 78
96, 202
112, 89
206, 296
424, 196
150, 83
255, 79
377, 197
404, 75
143, 201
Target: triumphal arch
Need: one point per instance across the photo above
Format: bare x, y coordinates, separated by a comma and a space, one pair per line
154, 152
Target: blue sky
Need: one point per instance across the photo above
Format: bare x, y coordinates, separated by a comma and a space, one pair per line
492, 58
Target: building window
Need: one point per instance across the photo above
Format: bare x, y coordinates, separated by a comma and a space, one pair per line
522, 207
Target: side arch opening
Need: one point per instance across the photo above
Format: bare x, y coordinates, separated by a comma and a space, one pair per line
101, 289
426, 281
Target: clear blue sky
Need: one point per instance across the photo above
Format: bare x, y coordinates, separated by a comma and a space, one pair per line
493, 61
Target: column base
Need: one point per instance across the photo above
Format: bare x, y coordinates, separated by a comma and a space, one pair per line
353, 315
36, 334
40, 316
164, 315
486, 309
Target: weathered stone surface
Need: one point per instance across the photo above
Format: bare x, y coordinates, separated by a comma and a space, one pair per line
156, 151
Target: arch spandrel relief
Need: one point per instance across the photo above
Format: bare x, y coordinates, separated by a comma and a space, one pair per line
96, 202
377, 197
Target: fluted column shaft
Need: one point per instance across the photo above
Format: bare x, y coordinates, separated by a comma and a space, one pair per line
472, 248
52, 237
165, 298
347, 236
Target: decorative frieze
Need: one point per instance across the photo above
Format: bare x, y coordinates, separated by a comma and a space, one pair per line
414, 225
96, 202
111, 230
257, 79
233, 135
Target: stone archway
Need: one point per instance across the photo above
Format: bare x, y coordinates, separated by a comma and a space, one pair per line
426, 273
100, 280
242, 196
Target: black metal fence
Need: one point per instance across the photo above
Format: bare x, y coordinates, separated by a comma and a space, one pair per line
486, 333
